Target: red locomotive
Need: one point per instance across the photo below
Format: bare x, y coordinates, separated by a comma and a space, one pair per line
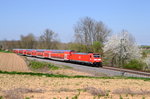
66, 55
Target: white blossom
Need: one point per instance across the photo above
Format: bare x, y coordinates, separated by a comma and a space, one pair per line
123, 45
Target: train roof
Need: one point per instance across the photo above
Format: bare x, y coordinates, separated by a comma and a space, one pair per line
41, 50
86, 53
19, 49
81, 53
62, 50
51, 50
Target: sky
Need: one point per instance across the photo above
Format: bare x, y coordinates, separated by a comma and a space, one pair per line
21, 17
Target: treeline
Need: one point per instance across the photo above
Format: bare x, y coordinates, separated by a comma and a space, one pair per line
48, 40
145, 47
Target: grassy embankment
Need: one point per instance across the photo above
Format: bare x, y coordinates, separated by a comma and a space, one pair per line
5, 51
38, 65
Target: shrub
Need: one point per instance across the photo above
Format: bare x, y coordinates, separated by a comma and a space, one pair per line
135, 64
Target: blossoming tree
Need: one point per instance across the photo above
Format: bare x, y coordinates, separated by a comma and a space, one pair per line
121, 48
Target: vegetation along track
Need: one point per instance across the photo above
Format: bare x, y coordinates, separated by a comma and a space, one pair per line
109, 71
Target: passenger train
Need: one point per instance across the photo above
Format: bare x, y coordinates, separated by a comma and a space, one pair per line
65, 55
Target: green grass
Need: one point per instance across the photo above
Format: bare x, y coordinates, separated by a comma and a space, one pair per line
37, 65
65, 76
5, 51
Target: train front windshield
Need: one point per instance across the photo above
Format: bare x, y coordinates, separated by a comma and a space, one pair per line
96, 56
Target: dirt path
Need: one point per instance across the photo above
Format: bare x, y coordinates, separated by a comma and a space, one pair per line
12, 62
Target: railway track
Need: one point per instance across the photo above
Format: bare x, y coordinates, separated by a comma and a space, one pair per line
141, 73
110, 71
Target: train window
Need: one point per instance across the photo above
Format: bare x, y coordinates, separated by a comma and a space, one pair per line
96, 56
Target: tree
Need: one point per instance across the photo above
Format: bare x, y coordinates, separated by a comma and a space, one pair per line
89, 32
121, 48
9, 44
28, 41
48, 40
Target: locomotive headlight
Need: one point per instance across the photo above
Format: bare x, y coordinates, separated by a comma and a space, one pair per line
97, 59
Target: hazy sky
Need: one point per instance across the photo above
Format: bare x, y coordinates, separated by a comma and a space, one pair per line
20, 17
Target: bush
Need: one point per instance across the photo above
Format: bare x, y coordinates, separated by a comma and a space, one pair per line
135, 64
